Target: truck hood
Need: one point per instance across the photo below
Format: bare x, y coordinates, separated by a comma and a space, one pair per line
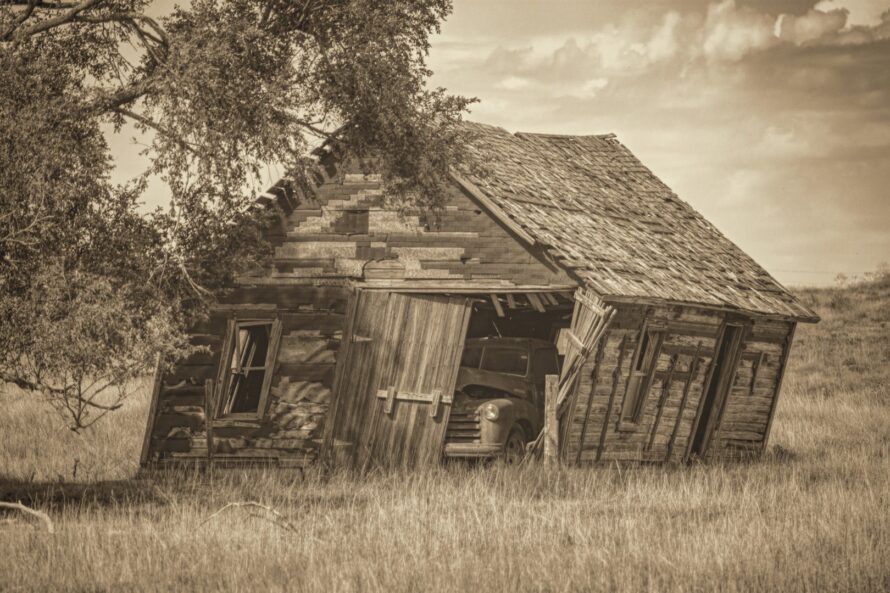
512, 385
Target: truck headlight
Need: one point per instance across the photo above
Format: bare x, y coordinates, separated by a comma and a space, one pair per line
490, 412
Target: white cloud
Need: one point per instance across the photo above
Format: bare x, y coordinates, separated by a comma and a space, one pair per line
513, 82
731, 32
811, 26
866, 13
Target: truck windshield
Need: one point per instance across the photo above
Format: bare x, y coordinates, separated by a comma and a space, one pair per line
471, 357
505, 360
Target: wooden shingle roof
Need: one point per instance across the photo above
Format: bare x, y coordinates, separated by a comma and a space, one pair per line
603, 215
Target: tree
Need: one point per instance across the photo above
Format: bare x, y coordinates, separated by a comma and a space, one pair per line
93, 291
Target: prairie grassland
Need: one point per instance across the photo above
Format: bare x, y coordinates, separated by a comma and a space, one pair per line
811, 515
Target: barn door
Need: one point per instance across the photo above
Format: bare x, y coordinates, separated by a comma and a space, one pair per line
395, 394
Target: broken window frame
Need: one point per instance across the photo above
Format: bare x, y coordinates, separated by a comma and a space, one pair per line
640, 375
225, 400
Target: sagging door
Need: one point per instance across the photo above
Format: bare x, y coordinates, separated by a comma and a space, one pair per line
394, 393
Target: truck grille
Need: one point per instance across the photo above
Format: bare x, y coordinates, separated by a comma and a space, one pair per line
463, 427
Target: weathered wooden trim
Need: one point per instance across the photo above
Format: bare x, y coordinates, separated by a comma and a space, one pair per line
646, 387
665, 392
340, 365
409, 396
496, 211
469, 287
693, 371
152, 412
594, 378
616, 374
781, 376
755, 369
730, 381
271, 364
222, 369
706, 385
659, 302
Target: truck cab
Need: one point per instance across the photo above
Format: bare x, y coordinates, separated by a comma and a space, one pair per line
498, 403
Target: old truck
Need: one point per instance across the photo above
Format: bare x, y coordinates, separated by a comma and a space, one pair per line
499, 399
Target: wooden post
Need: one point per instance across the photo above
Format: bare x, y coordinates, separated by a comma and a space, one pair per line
551, 422
209, 409
152, 412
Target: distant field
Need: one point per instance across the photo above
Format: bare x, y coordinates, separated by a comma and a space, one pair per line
812, 515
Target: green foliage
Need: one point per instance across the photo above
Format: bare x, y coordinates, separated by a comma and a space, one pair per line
92, 291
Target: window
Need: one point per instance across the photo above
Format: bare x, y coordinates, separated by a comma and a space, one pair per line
471, 358
505, 360
641, 372
248, 373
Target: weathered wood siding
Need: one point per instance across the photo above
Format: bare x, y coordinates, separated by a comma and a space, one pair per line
667, 421
289, 431
345, 232
754, 392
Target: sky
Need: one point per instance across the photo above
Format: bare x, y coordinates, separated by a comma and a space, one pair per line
770, 117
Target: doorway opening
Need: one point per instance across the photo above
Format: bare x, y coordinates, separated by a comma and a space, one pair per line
513, 342
725, 365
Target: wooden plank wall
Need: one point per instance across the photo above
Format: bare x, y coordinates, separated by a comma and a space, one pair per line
754, 392
290, 432
663, 434
346, 231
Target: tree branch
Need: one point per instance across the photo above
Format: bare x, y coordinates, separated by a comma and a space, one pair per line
29, 10
17, 506
65, 17
191, 147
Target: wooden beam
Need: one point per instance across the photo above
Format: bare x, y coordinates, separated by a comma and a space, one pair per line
497, 305
411, 396
493, 208
535, 301
693, 370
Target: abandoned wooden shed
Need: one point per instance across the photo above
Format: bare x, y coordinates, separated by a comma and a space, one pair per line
347, 346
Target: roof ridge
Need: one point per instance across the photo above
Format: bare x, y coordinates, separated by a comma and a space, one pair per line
606, 136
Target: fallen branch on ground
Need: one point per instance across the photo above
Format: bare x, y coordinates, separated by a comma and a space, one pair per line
17, 506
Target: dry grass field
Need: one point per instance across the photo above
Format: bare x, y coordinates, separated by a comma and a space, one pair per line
812, 515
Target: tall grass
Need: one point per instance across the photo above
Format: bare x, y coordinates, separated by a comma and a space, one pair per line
811, 515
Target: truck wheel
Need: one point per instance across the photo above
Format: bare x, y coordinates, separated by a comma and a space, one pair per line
514, 446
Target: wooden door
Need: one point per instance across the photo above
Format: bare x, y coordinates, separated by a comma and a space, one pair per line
725, 363
394, 396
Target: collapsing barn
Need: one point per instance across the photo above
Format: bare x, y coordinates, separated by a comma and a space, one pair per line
354, 344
